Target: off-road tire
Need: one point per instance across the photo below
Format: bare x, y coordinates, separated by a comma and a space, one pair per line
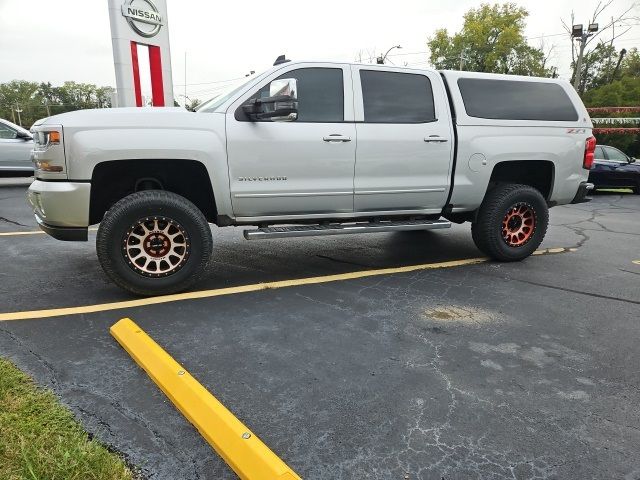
487, 230
116, 227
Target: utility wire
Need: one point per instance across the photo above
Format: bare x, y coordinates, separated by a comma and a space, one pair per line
209, 83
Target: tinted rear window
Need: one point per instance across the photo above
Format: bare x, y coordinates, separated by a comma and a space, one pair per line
511, 100
392, 97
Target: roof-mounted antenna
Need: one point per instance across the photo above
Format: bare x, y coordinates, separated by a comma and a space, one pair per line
281, 59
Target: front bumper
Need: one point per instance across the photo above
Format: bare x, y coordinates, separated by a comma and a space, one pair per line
68, 234
61, 208
583, 190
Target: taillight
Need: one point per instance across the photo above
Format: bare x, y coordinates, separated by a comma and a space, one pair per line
589, 152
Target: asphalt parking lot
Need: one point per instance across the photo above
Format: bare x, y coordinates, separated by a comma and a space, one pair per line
486, 370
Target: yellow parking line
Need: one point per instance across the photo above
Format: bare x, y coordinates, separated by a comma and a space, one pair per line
243, 451
141, 302
31, 232
55, 312
12, 234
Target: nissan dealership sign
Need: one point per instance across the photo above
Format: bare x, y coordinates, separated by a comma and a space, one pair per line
140, 30
143, 17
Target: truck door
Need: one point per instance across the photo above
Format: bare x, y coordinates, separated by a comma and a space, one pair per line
405, 140
304, 166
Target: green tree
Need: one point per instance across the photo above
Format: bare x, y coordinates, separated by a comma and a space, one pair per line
17, 98
82, 95
624, 92
38, 100
630, 66
491, 40
598, 67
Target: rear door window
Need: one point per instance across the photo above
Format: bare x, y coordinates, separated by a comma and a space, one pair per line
516, 100
393, 97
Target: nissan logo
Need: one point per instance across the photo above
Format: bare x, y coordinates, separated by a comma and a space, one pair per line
143, 17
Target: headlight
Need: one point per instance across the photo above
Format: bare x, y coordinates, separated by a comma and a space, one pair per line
46, 138
48, 152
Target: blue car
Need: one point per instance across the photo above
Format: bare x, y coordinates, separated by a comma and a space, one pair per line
614, 169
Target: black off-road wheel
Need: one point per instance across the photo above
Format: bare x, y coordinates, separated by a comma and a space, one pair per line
154, 243
511, 223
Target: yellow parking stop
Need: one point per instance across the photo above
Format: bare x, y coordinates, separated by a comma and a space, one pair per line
239, 447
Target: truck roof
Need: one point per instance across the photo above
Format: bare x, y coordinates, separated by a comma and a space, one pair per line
449, 74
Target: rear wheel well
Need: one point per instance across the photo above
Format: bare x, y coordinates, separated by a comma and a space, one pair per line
116, 179
535, 173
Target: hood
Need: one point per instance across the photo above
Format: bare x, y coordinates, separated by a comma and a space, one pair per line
122, 117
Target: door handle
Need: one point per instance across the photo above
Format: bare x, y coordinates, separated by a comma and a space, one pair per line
336, 137
435, 139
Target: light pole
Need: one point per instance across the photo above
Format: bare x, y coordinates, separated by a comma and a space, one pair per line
578, 32
380, 60
19, 111
462, 58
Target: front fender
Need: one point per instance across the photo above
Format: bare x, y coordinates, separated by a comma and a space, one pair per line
87, 147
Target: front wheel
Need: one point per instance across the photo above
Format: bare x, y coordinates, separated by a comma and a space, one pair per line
511, 223
154, 243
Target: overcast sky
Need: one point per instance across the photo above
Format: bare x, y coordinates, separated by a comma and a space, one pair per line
41, 40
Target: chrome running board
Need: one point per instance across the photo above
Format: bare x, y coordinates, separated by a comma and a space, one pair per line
344, 228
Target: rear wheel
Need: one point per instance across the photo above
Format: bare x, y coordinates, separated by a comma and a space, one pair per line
511, 223
154, 243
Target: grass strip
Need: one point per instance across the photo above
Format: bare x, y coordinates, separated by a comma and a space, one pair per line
40, 439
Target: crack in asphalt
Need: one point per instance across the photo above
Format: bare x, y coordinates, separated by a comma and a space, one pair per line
53, 377
326, 257
564, 289
629, 271
594, 214
438, 438
12, 222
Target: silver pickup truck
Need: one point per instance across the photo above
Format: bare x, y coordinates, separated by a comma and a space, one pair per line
313, 148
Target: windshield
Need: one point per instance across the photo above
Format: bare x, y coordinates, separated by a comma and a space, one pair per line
224, 95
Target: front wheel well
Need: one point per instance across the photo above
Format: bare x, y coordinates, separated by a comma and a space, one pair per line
114, 180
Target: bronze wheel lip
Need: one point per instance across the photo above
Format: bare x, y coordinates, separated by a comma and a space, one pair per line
181, 256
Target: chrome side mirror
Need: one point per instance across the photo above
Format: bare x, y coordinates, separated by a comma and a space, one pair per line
280, 106
284, 96
285, 87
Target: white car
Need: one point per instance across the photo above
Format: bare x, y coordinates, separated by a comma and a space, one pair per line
313, 148
16, 144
